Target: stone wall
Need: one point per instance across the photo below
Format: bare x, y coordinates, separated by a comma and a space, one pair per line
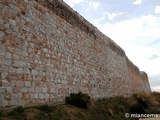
47, 51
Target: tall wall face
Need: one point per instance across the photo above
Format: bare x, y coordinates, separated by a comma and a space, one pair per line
48, 51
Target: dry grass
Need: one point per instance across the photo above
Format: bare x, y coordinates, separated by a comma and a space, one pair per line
106, 109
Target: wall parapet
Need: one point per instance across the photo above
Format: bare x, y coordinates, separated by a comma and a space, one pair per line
65, 12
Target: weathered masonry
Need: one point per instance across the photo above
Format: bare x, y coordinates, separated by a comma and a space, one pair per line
47, 51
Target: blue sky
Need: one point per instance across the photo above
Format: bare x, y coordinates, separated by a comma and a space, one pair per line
132, 24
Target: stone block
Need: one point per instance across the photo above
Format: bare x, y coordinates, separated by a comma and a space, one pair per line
4, 68
31, 90
64, 81
18, 51
19, 96
31, 95
4, 75
6, 61
2, 89
45, 50
6, 25
1, 34
25, 96
14, 97
26, 71
46, 96
28, 19
12, 22
20, 83
5, 83
2, 96
12, 103
14, 12
36, 95
1, 53
41, 96
23, 90
2, 48
34, 72
13, 83
21, 102
31, 45
14, 7
8, 55
44, 90
12, 69
15, 28
19, 70
52, 96
1, 22
24, 53
26, 1
27, 84
5, 103
9, 31
9, 89
15, 57
38, 89
19, 63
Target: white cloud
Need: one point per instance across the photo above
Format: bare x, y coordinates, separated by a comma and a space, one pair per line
111, 16
137, 2
157, 9
73, 2
154, 82
131, 29
156, 89
95, 4
98, 20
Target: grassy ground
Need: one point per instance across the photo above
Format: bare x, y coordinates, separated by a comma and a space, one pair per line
106, 109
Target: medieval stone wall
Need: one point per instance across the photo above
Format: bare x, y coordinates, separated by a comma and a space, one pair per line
47, 51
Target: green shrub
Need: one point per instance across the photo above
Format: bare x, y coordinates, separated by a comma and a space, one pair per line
137, 108
46, 108
142, 102
17, 113
18, 110
78, 99
146, 99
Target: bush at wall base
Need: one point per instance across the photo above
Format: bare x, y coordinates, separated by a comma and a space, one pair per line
78, 99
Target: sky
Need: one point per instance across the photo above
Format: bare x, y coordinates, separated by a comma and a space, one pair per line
132, 24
